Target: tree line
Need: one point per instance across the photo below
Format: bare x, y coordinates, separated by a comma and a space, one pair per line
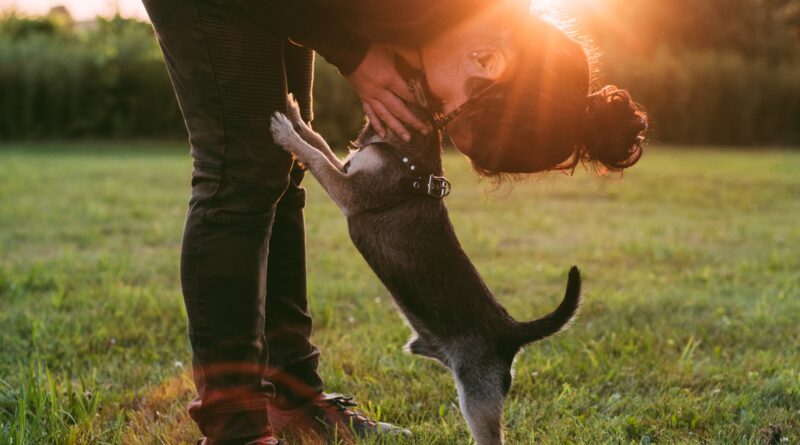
708, 71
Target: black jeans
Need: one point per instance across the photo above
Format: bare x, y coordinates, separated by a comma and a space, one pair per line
243, 254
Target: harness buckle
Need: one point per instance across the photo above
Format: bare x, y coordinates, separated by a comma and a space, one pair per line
438, 186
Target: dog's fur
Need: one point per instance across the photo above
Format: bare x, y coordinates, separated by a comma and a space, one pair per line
410, 244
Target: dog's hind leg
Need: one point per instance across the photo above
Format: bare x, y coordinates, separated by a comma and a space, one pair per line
481, 394
418, 346
329, 175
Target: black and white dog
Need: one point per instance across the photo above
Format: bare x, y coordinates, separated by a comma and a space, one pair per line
391, 192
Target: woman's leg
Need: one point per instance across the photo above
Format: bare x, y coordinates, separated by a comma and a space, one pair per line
229, 78
293, 359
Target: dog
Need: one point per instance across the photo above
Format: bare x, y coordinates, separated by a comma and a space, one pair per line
392, 193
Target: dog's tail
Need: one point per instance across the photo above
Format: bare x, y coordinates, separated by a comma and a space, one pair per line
556, 321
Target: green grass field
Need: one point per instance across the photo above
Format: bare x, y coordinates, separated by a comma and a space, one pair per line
690, 332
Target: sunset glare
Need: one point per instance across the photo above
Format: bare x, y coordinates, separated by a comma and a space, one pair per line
80, 9
545, 4
87, 9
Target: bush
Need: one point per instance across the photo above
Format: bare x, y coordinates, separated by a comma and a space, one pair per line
715, 97
106, 79
337, 110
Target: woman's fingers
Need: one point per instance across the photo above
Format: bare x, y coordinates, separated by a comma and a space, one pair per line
374, 120
391, 112
382, 91
390, 121
399, 110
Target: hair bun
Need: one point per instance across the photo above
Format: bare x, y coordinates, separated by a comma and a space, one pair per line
614, 129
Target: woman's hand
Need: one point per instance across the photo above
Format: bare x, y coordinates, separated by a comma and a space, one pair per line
382, 91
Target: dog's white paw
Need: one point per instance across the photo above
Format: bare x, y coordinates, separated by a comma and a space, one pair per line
283, 131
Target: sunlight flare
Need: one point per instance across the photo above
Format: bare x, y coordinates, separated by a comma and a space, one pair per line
546, 4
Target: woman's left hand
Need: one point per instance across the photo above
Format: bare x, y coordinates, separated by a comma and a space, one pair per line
382, 91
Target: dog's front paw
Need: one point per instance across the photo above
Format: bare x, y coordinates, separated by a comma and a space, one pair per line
293, 111
283, 131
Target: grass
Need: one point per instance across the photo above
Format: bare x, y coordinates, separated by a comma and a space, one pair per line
689, 333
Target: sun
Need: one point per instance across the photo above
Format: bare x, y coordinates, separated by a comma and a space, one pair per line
545, 4
552, 9
568, 5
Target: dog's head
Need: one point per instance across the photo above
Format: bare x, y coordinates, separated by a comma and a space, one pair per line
425, 150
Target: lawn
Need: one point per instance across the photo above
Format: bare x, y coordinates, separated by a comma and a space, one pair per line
689, 334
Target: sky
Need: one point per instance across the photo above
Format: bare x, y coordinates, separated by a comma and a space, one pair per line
80, 9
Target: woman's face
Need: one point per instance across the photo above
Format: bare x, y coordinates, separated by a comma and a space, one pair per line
477, 48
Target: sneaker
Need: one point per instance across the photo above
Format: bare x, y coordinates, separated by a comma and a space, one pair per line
329, 413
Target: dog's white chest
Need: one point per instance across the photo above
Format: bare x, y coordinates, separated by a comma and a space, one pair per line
365, 159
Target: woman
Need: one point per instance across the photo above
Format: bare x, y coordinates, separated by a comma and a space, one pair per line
525, 84
511, 91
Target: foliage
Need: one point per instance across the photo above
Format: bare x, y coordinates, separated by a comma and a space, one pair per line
107, 79
337, 110
714, 97
754, 28
688, 333
711, 71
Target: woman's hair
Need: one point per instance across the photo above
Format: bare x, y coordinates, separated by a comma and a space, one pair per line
542, 116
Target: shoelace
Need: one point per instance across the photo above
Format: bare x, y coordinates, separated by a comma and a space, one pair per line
344, 404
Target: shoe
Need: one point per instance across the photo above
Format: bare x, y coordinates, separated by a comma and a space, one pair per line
267, 440
330, 413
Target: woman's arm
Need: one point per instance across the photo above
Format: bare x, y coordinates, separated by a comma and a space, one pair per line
369, 67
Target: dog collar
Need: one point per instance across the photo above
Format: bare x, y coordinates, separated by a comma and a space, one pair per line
417, 82
417, 182
430, 184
